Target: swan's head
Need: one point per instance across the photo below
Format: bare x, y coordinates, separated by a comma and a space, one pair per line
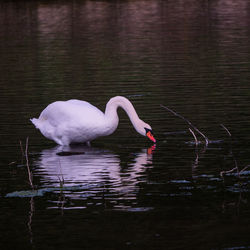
146, 130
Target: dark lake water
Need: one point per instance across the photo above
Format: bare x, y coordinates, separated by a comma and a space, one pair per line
191, 56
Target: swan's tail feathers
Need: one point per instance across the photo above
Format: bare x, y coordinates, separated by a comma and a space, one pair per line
36, 122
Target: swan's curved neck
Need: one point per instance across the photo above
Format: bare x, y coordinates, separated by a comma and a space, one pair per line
119, 101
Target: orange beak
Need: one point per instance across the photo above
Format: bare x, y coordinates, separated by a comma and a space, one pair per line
151, 137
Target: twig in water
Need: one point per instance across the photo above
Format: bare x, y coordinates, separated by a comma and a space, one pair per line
226, 130
229, 171
22, 151
27, 163
196, 162
192, 132
60, 176
26, 151
235, 168
32, 208
26, 155
190, 124
12, 163
61, 199
21, 147
242, 170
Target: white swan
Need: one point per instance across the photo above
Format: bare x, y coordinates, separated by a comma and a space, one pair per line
76, 121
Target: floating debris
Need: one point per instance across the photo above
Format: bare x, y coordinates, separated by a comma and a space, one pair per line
180, 181
42, 191
27, 193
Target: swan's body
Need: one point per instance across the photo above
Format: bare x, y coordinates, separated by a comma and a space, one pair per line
76, 121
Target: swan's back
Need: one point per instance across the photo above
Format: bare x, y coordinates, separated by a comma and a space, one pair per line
80, 103
72, 111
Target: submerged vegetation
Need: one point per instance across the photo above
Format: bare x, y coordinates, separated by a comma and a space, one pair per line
207, 142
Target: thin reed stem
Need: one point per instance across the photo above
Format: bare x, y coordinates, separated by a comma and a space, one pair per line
189, 123
60, 176
229, 171
27, 163
192, 132
226, 130
242, 170
21, 148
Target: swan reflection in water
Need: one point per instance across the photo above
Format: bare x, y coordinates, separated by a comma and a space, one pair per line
83, 165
